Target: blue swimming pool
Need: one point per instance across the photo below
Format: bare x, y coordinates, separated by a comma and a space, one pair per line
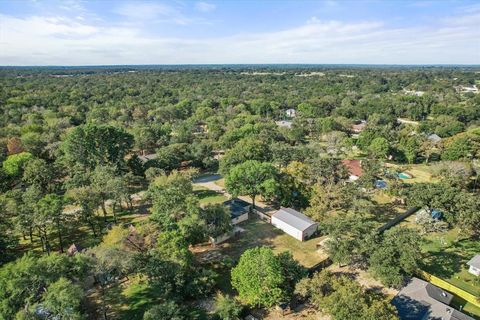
403, 175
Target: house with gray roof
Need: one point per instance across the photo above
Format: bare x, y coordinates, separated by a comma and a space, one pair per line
294, 223
434, 138
421, 300
238, 210
474, 265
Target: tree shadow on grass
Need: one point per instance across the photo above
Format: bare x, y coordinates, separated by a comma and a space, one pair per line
443, 264
384, 212
138, 298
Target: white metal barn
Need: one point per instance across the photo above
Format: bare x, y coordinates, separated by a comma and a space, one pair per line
294, 223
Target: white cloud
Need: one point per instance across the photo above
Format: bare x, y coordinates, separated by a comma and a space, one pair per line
205, 6
152, 12
60, 41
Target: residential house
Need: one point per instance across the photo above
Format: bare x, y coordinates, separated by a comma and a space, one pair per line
434, 138
354, 168
421, 300
358, 126
294, 223
147, 157
291, 113
474, 265
238, 213
238, 210
284, 123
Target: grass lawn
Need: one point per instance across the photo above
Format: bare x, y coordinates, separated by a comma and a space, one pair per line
260, 233
421, 173
207, 196
128, 300
446, 258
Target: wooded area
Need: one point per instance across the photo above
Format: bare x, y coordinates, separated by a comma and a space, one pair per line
98, 210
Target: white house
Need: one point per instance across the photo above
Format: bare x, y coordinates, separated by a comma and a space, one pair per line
294, 223
291, 113
474, 265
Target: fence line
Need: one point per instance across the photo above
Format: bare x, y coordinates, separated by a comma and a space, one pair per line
398, 219
467, 296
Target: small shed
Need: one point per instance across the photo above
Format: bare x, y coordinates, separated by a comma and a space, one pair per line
294, 223
474, 265
238, 210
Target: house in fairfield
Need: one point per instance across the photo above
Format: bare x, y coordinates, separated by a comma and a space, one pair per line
423, 301
238, 210
354, 168
291, 113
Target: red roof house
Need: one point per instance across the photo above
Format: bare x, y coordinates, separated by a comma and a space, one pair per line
354, 168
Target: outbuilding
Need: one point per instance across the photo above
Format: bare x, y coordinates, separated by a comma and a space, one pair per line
474, 265
294, 223
238, 210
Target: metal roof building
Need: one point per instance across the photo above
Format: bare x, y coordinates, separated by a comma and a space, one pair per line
294, 223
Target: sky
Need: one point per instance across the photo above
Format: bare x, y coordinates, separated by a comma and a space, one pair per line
104, 32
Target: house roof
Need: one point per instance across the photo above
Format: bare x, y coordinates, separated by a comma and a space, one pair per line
294, 218
148, 157
421, 300
358, 127
284, 123
237, 207
354, 167
475, 261
434, 138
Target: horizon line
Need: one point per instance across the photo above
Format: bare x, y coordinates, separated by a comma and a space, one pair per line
244, 64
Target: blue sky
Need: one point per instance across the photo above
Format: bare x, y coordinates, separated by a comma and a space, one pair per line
76, 32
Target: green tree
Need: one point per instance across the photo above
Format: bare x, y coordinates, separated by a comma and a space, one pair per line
166, 310
172, 198
63, 298
459, 148
94, 144
37, 172
251, 148
15, 163
252, 178
350, 239
396, 256
227, 308
216, 219
344, 299
50, 211
379, 148
21, 281
260, 286
410, 148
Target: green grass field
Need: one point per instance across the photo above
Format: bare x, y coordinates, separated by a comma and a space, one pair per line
207, 196
446, 258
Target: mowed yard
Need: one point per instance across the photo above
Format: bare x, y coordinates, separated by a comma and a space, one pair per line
446, 258
260, 233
